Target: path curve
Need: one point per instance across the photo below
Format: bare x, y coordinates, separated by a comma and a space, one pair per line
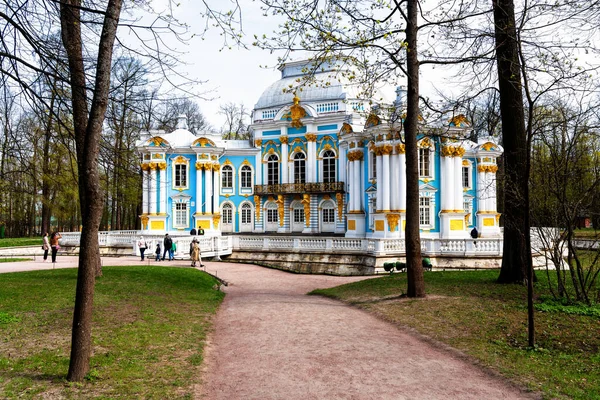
272, 341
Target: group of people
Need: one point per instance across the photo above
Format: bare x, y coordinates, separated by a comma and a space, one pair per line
169, 248
51, 243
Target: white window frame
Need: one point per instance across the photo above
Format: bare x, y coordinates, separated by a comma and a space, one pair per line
428, 173
372, 165
242, 171
272, 210
469, 169
183, 201
300, 160
275, 161
322, 169
329, 212
186, 166
225, 170
428, 208
225, 209
243, 208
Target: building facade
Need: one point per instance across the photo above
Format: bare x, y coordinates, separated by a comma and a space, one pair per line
321, 161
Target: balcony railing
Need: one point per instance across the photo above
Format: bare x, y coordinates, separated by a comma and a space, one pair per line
293, 188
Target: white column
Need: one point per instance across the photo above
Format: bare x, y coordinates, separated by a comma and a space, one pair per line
394, 186
153, 194
385, 183
217, 190
199, 190
259, 168
145, 190
481, 205
492, 192
379, 173
311, 162
341, 166
488, 194
163, 190
284, 161
402, 177
358, 185
350, 187
444, 177
458, 187
208, 189
449, 195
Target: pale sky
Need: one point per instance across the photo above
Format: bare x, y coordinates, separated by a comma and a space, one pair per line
235, 74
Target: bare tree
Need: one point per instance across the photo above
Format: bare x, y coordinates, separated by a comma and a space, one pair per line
236, 121
88, 31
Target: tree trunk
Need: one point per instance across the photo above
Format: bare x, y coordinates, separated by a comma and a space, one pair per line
516, 260
87, 138
517, 247
46, 209
414, 268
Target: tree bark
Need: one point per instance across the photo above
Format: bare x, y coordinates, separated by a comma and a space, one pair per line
516, 260
87, 137
517, 246
414, 267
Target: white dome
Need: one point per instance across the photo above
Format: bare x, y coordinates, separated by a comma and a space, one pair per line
326, 87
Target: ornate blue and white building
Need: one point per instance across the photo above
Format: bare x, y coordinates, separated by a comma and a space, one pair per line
322, 160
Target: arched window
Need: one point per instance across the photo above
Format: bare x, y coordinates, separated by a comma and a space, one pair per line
246, 177
227, 213
299, 168
328, 214
246, 213
328, 166
227, 177
273, 170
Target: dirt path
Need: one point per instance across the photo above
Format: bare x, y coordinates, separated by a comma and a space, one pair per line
271, 341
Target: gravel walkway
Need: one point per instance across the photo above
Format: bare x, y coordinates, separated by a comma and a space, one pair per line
271, 341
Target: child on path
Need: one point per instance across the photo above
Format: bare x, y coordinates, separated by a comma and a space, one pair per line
157, 252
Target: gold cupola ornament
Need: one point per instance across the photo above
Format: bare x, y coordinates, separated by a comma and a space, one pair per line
297, 112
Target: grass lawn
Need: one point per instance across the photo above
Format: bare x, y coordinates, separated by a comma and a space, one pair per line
25, 241
488, 321
8, 259
149, 328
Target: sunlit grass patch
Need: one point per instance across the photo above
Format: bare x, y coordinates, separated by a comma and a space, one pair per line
149, 328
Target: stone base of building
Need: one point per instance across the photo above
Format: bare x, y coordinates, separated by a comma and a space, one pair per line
453, 225
307, 263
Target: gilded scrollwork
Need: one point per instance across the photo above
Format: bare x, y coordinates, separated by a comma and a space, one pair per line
311, 137
257, 206
280, 208
340, 204
392, 220
306, 203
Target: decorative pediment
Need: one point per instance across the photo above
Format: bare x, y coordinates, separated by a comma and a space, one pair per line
427, 190
181, 198
489, 146
459, 121
372, 120
203, 142
346, 128
157, 141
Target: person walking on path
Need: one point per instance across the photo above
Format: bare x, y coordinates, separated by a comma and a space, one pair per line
46, 246
172, 251
157, 251
54, 244
142, 245
195, 253
168, 243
